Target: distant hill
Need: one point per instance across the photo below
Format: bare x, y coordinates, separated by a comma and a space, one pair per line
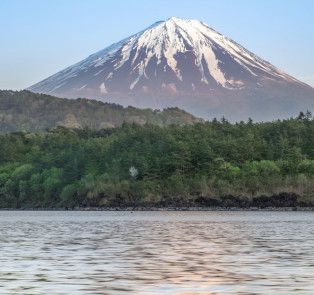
27, 111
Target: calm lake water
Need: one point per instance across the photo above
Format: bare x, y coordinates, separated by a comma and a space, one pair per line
156, 253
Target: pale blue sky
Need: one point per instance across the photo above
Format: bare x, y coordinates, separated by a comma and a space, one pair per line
41, 37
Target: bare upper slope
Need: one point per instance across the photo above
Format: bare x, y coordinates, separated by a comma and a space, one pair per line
187, 64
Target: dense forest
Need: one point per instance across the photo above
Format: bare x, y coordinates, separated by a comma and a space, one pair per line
206, 164
26, 111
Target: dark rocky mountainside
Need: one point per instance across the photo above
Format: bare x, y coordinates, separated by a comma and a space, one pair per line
186, 64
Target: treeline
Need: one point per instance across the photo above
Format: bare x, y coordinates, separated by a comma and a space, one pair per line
26, 111
203, 164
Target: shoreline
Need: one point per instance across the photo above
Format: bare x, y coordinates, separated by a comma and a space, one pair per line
168, 209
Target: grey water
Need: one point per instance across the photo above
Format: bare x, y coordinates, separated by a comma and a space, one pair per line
47, 252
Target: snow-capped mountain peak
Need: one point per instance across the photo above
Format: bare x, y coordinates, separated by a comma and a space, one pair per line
172, 58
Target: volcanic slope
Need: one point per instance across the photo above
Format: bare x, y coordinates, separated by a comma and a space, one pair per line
186, 64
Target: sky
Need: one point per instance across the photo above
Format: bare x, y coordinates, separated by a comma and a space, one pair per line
42, 37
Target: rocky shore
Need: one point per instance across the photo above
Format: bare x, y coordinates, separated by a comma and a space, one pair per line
280, 202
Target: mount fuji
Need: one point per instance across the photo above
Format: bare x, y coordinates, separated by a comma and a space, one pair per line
186, 64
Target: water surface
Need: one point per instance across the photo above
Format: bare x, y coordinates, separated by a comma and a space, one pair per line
156, 252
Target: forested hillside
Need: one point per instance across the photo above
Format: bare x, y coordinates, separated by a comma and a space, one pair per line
27, 111
213, 163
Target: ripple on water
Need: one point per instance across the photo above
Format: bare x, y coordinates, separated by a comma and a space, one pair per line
156, 252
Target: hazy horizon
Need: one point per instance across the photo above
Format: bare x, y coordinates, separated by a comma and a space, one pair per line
42, 38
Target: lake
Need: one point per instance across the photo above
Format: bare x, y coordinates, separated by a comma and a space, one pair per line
75, 252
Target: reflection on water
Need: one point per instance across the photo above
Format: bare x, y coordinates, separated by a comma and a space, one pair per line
156, 253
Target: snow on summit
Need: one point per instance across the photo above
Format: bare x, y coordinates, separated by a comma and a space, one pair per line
177, 62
